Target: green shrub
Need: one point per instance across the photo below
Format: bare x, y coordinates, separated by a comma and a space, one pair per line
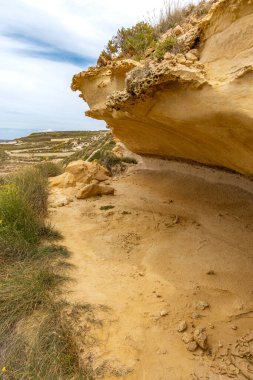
132, 42
167, 45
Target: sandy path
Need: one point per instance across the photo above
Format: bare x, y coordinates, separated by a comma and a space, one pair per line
147, 260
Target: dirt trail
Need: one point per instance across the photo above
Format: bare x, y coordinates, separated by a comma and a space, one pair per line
147, 261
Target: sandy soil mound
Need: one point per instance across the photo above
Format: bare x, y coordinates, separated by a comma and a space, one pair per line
169, 258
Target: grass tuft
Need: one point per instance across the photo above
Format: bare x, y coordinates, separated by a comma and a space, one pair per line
33, 186
45, 348
49, 169
23, 289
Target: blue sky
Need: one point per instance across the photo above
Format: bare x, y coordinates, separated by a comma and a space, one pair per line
43, 44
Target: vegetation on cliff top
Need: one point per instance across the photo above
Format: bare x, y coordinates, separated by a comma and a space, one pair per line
134, 42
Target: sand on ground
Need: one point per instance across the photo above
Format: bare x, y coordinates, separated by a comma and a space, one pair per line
177, 236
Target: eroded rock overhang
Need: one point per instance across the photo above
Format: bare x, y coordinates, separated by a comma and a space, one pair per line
185, 108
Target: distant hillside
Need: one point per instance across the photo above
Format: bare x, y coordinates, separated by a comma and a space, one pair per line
47, 136
61, 147
49, 146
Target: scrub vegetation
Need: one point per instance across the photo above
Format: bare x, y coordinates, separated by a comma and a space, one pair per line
139, 40
36, 341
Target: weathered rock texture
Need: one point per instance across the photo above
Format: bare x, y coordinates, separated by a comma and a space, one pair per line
86, 179
94, 190
79, 173
197, 105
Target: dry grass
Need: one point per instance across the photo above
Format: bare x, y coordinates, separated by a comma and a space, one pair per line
50, 169
33, 186
36, 342
134, 42
175, 12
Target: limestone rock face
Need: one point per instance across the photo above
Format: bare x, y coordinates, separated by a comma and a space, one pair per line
197, 105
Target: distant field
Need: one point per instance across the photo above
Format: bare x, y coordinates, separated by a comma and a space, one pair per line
50, 146
47, 136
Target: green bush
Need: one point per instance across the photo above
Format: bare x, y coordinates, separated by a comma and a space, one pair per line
132, 42
167, 45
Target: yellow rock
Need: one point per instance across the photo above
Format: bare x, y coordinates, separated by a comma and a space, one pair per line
93, 190
80, 172
202, 111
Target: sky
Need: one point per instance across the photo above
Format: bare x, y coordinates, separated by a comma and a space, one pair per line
43, 44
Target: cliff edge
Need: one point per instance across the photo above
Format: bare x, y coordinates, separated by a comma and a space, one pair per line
196, 104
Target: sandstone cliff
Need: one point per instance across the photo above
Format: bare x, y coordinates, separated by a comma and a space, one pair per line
196, 105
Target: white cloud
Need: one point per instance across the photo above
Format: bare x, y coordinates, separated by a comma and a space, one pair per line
35, 91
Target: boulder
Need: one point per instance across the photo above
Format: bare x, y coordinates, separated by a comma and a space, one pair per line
200, 337
191, 57
187, 338
181, 58
182, 326
80, 172
62, 181
192, 346
93, 190
169, 56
